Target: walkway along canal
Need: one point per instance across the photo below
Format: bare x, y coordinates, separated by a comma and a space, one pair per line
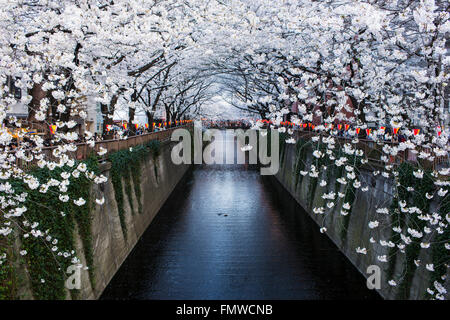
226, 232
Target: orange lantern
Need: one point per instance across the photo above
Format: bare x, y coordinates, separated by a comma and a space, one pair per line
125, 126
368, 131
396, 130
416, 132
340, 126
136, 125
146, 126
53, 129
358, 130
347, 126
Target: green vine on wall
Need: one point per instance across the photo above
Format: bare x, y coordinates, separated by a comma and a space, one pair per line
126, 165
282, 138
439, 254
7, 272
350, 194
57, 219
416, 199
405, 178
320, 163
300, 163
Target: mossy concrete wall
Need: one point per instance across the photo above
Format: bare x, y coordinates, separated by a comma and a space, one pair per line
159, 177
358, 233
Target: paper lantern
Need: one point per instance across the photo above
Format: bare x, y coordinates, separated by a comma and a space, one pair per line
368, 131
108, 127
125, 126
358, 130
383, 128
347, 126
136, 125
146, 126
395, 130
340, 126
416, 132
439, 133
53, 129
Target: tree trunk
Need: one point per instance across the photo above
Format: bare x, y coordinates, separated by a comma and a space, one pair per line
106, 121
149, 120
37, 94
132, 128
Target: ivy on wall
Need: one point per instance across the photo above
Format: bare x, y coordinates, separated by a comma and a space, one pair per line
282, 138
417, 199
350, 194
405, 178
7, 272
421, 187
126, 165
440, 255
46, 267
300, 160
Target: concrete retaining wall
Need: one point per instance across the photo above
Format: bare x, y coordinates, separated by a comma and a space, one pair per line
110, 247
358, 232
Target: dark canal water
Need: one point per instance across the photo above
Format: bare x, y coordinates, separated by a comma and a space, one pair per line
226, 232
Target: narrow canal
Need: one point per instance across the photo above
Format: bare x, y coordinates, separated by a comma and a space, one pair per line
226, 232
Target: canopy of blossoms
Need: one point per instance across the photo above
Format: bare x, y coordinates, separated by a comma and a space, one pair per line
377, 68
